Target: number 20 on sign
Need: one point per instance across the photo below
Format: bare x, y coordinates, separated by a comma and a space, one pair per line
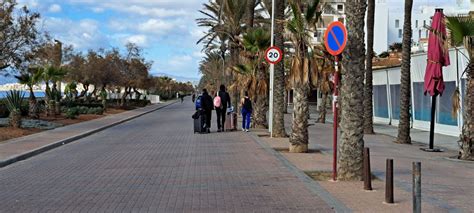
273, 55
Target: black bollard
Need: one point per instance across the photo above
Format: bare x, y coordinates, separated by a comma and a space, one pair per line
417, 187
367, 173
389, 182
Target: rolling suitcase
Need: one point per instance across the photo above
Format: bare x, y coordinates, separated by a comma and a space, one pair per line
199, 122
230, 122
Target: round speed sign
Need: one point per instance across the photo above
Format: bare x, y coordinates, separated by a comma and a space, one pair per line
273, 55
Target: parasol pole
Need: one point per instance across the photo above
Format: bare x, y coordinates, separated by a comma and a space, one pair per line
432, 124
433, 111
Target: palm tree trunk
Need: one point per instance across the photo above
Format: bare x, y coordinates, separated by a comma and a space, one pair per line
405, 80
33, 106
323, 109
279, 74
368, 89
351, 145
84, 91
299, 135
467, 137
250, 13
260, 112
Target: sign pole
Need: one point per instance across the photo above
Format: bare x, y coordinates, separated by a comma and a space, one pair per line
335, 42
335, 123
272, 75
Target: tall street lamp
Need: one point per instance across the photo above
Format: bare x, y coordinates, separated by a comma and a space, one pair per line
272, 74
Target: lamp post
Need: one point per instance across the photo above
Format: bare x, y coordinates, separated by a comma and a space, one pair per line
272, 74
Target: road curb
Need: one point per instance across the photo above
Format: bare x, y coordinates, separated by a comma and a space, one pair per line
313, 186
68, 140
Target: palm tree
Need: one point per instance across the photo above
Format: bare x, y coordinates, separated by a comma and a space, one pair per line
405, 80
462, 32
279, 73
299, 27
254, 74
31, 78
368, 93
352, 96
51, 74
211, 67
225, 20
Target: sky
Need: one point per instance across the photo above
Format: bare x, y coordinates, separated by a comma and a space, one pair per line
166, 29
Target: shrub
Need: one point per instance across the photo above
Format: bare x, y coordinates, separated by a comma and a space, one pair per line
14, 104
72, 113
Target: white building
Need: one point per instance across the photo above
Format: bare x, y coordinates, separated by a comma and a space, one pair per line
386, 87
389, 17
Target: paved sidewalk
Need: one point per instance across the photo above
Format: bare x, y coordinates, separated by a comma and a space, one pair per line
417, 135
21, 148
156, 164
447, 184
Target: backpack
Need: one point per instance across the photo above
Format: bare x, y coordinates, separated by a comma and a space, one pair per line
247, 104
198, 102
217, 102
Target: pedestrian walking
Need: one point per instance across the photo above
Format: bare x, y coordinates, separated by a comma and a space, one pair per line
194, 97
181, 96
221, 103
207, 105
247, 109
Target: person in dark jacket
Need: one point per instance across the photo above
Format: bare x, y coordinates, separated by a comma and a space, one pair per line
247, 109
207, 105
222, 110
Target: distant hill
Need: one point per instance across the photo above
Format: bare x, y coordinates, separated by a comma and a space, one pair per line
195, 81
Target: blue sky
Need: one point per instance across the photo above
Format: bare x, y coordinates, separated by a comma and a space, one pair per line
164, 28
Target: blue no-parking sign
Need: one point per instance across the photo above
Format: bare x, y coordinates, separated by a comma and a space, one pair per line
335, 38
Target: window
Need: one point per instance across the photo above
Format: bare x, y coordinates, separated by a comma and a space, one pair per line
340, 7
445, 106
416, 24
400, 33
380, 101
424, 22
419, 34
395, 98
397, 23
422, 104
426, 34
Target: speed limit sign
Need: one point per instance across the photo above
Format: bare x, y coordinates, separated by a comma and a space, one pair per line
273, 55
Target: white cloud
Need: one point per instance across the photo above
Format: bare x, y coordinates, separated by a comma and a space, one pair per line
140, 40
55, 8
83, 34
180, 60
156, 26
198, 54
32, 4
98, 9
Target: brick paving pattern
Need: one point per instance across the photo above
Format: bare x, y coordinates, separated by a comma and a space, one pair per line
156, 164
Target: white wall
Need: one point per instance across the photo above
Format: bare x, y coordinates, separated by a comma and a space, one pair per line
380, 28
391, 76
393, 31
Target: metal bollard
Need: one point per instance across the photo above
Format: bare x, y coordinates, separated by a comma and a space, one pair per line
417, 187
389, 182
367, 173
